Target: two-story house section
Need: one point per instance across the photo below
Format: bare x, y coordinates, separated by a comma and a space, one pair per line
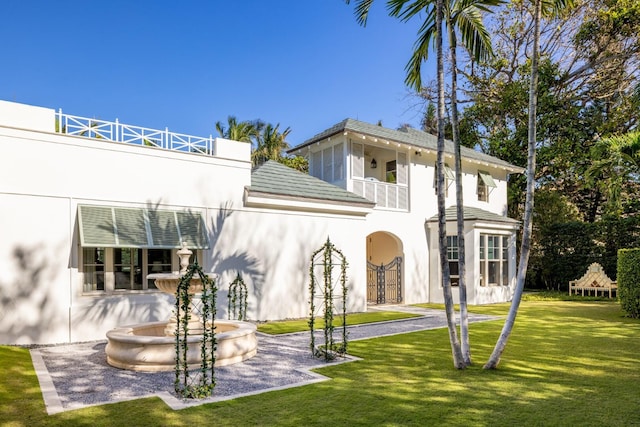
396, 169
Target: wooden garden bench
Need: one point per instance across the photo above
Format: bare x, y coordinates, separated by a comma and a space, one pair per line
594, 280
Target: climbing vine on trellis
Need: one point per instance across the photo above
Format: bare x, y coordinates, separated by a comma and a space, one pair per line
195, 384
237, 299
323, 261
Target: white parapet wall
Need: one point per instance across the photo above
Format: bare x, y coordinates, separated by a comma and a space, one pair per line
25, 116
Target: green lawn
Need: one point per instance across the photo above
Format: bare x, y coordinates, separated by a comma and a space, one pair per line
568, 363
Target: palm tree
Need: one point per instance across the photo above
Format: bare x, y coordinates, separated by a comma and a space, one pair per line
465, 15
616, 161
548, 8
270, 143
237, 131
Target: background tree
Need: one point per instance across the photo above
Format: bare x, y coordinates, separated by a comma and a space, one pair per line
270, 144
244, 131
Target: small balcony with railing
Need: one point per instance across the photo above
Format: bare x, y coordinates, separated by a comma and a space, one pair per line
380, 175
385, 195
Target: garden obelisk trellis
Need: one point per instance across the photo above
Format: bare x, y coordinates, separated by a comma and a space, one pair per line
195, 383
323, 286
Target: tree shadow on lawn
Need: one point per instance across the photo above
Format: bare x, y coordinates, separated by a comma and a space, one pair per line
551, 374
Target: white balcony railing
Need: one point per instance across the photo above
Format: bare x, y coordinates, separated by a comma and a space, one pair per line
385, 195
119, 132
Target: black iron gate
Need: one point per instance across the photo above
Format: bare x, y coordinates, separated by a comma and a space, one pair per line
384, 282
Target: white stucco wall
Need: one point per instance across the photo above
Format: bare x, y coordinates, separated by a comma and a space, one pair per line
44, 176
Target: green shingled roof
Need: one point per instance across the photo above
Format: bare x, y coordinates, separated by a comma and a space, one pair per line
474, 214
277, 179
409, 136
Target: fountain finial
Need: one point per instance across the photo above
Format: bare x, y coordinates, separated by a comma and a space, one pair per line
184, 254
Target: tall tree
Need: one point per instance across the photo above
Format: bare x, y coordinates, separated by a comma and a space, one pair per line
464, 16
549, 7
428, 30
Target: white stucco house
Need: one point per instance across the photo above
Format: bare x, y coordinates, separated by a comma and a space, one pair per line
89, 208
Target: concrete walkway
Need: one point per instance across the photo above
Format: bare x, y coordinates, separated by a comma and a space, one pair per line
76, 375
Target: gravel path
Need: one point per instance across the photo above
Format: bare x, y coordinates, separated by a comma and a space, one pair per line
77, 375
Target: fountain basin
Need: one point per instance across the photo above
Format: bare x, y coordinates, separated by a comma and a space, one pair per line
145, 347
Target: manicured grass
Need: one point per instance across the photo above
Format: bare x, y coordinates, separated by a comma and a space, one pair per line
566, 364
300, 325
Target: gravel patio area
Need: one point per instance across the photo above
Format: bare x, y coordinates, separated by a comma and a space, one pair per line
77, 375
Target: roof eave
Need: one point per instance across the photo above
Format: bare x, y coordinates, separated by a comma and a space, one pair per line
253, 198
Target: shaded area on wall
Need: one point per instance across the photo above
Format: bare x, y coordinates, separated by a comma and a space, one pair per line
29, 311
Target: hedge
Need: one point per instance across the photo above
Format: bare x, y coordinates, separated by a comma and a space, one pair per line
629, 281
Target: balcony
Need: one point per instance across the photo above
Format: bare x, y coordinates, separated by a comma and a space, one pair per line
385, 195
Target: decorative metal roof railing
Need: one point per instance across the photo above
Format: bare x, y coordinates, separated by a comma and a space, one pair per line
120, 132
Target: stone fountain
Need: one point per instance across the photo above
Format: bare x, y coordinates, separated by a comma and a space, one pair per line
150, 346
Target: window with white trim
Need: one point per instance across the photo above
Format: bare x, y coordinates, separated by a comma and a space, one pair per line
125, 269
93, 261
485, 184
494, 261
453, 257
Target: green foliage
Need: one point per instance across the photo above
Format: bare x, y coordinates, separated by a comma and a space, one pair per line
244, 131
237, 299
587, 92
270, 143
298, 163
629, 281
326, 257
184, 385
565, 249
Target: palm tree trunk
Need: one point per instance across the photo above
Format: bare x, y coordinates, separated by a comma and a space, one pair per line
462, 277
494, 359
458, 361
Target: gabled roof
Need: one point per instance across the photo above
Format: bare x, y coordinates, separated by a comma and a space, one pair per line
275, 179
474, 214
409, 136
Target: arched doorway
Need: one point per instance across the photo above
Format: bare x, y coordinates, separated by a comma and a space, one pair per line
384, 268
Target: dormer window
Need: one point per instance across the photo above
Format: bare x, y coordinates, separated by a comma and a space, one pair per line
485, 184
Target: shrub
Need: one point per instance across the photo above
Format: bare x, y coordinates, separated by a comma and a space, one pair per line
629, 281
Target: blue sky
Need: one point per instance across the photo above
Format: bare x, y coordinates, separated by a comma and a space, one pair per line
184, 65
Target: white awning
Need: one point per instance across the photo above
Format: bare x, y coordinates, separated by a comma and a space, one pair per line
110, 226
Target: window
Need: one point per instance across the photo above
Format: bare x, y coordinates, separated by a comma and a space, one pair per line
93, 260
485, 183
159, 261
391, 172
128, 268
494, 260
452, 256
124, 269
449, 177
